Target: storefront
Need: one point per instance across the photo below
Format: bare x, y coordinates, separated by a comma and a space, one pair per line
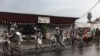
28, 21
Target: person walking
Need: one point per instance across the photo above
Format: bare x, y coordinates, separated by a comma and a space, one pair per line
47, 38
38, 39
97, 35
80, 33
73, 35
57, 36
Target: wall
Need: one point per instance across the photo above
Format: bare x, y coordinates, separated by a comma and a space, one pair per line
3, 28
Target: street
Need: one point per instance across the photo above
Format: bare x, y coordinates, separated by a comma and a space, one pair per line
91, 50
49, 28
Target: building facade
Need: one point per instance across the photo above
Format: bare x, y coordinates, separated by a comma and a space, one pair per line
97, 23
29, 21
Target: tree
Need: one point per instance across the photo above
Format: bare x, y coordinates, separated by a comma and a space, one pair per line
89, 16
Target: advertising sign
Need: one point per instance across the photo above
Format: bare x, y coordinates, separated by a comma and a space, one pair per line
43, 19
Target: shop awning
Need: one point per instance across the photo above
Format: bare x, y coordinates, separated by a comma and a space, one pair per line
8, 17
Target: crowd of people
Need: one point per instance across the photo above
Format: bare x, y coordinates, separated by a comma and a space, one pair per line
60, 37
85, 35
72, 37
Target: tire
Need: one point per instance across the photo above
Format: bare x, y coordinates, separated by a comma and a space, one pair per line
6, 48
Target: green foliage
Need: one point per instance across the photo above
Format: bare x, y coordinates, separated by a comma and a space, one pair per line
89, 16
45, 28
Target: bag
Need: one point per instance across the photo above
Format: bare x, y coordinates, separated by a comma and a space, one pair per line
18, 33
39, 41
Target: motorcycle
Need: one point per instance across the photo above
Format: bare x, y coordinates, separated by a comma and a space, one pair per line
12, 44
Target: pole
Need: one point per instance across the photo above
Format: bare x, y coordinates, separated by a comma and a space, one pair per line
90, 9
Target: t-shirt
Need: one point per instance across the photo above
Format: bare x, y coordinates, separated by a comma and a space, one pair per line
97, 32
89, 34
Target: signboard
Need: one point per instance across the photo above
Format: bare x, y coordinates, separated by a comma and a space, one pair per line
43, 19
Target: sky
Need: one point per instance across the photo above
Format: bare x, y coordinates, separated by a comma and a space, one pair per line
66, 8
